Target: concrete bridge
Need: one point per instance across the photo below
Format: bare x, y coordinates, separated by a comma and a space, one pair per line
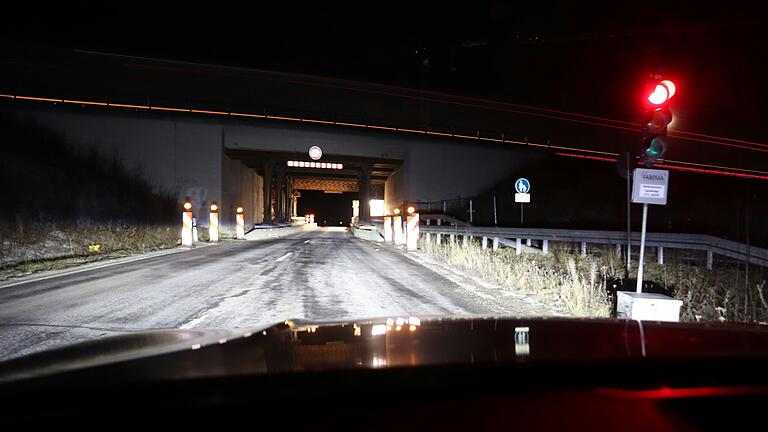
249, 162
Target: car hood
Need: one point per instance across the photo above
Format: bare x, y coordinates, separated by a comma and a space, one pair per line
296, 345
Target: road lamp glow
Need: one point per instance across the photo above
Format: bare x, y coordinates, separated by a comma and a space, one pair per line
411, 210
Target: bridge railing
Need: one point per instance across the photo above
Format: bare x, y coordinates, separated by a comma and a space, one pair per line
520, 237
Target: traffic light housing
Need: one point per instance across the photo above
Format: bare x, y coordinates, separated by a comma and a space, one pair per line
656, 118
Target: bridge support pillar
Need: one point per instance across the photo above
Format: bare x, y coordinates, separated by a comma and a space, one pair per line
583, 248
495, 243
453, 238
545, 247
279, 194
528, 242
268, 170
660, 255
364, 186
485, 243
710, 260
618, 250
465, 241
518, 246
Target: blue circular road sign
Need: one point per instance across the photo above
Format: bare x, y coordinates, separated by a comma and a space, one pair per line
523, 186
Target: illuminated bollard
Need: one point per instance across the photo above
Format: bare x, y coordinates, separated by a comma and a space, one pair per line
240, 223
388, 229
186, 224
213, 227
397, 226
412, 229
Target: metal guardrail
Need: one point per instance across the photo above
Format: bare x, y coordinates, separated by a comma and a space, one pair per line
702, 242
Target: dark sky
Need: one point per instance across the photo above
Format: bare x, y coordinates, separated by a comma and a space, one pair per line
572, 56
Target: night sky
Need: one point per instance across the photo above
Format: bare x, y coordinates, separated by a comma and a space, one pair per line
580, 58
587, 59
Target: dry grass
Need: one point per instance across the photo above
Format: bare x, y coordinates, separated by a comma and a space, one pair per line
571, 283
577, 284
37, 247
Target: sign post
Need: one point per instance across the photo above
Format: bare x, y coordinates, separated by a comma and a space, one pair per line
522, 195
649, 187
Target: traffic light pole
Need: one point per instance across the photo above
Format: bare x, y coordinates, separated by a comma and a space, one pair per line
629, 226
642, 251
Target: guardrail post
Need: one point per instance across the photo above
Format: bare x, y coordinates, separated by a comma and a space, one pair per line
439, 221
453, 238
618, 250
438, 238
528, 242
428, 221
485, 243
545, 247
710, 258
427, 237
465, 241
518, 246
660, 255
495, 243
583, 248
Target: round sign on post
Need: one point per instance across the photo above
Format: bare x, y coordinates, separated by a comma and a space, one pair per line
315, 152
523, 186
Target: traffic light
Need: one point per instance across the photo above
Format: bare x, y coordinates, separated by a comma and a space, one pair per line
656, 118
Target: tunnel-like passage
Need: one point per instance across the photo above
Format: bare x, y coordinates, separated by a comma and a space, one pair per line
340, 178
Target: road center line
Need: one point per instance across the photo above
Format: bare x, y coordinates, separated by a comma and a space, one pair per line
284, 256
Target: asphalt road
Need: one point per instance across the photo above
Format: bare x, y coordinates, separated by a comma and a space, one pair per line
325, 274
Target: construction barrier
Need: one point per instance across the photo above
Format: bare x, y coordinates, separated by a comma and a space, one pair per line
194, 230
213, 227
397, 227
186, 225
388, 229
239, 224
412, 231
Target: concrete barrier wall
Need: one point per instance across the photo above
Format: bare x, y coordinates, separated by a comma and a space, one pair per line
268, 233
370, 233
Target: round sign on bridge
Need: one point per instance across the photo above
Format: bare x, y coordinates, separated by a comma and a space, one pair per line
315, 152
523, 186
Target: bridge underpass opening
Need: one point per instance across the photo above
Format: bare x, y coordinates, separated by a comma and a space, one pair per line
294, 186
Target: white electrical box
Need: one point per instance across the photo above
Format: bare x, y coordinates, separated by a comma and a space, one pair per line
647, 306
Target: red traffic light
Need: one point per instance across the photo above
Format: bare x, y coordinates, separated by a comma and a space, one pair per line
662, 92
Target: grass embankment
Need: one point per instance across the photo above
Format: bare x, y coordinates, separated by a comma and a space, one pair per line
580, 285
43, 247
